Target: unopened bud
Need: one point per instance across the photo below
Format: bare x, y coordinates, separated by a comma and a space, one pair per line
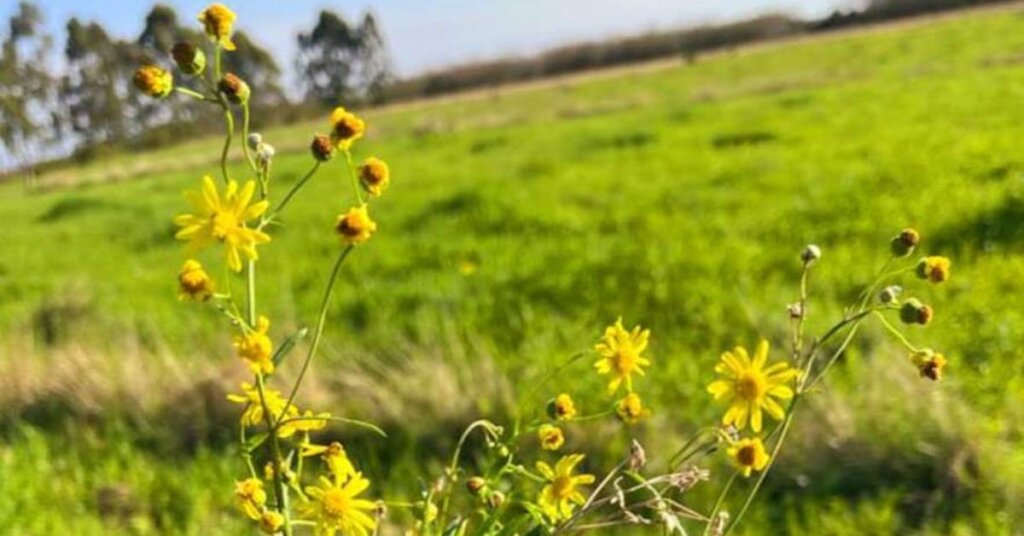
234, 88
496, 499
265, 153
476, 484
915, 312
904, 243
189, 58
254, 140
890, 294
154, 81
810, 254
322, 148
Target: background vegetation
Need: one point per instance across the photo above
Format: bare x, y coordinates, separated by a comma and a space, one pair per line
518, 225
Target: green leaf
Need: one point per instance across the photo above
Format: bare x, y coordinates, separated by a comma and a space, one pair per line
253, 442
288, 345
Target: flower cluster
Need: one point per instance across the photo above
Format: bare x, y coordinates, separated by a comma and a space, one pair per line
235, 217
520, 481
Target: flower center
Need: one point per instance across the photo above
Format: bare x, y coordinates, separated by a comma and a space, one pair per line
335, 504
561, 487
746, 455
624, 362
750, 386
223, 224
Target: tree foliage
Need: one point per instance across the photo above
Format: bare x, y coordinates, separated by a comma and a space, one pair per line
339, 61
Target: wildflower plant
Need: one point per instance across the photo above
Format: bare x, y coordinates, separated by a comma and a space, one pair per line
530, 477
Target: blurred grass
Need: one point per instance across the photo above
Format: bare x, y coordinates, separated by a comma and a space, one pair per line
677, 198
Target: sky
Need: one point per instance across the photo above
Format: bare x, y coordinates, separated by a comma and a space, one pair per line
430, 34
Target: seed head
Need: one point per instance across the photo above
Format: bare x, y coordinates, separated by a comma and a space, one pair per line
810, 254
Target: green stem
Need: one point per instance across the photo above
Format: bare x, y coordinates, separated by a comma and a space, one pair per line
280, 493
319, 325
245, 146
720, 502
229, 122
355, 178
193, 94
295, 189
896, 333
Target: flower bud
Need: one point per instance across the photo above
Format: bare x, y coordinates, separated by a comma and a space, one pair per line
189, 58
890, 294
810, 254
561, 408
550, 437
929, 363
934, 269
476, 485
322, 148
904, 243
254, 140
495, 499
271, 522
265, 153
234, 88
154, 81
374, 176
915, 312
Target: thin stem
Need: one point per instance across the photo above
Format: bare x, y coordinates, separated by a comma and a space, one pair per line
193, 94
229, 122
720, 502
250, 276
280, 492
352, 173
319, 325
295, 189
454, 464
896, 333
245, 146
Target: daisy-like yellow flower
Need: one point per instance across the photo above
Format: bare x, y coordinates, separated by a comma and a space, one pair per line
355, 226
154, 81
934, 269
218, 23
222, 218
346, 128
750, 387
550, 437
375, 176
256, 348
562, 490
749, 455
254, 414
631, 409
250, 497
336, 506
622, 355
194, 283
562, 408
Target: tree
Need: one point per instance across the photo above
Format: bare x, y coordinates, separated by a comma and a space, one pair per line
258, 68
26, 97
340, 62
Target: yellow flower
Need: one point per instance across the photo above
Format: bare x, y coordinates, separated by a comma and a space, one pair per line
750, 387
254, 415
631, 409
374, 176
194, 283
749, 455
256, 348
336, 506
271, 522
562, 408
934, 269
334, 455
550, 437
218, 21
355, 226
222, 219
621, 353
346, 127
154, 81
561, 491
251, 497
929, 363
307, 422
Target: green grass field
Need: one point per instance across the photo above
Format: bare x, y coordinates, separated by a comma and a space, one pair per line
678, 198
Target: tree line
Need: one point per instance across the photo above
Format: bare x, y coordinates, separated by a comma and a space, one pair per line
88, 105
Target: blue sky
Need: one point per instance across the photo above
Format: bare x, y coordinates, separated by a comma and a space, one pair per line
426, 34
